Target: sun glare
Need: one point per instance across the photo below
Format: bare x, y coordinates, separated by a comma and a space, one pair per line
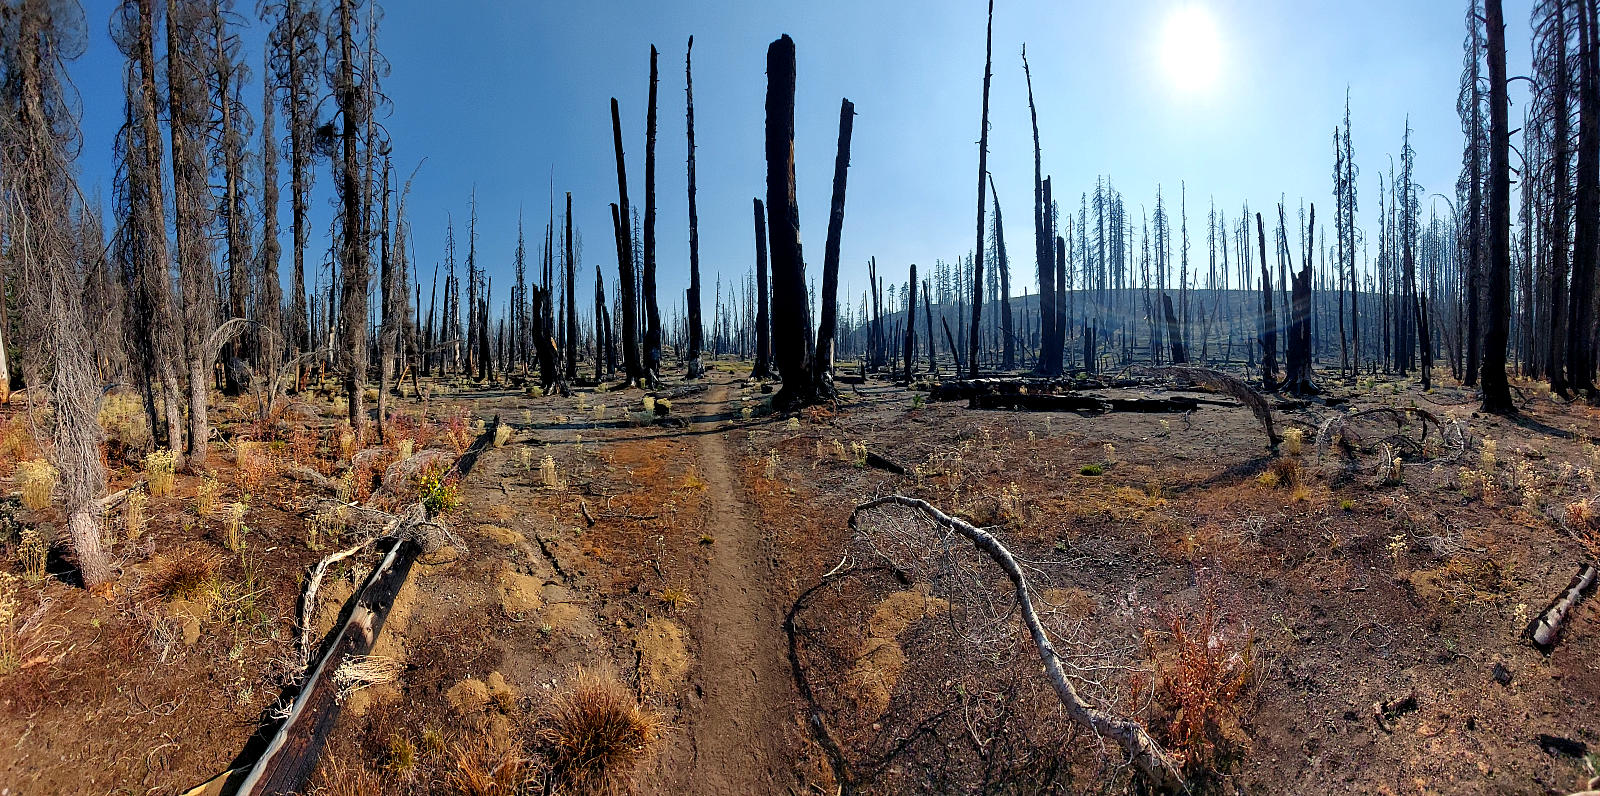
1191, 49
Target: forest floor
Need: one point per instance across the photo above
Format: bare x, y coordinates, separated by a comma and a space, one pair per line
1276, 621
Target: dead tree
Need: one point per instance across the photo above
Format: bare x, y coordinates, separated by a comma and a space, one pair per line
1268, 329
762, 368
1008, 349
652, 313
39, 199
1497, 295
152, 323
927, 313
911, 323
270, 312
983, 176
353, 251
571, 300
296, 58
228, 73
619, 222
695, 367
789, 312
1180, 355
826, 329
1049, 364
188, 128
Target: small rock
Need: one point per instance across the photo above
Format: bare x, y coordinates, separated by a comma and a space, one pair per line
1502, 675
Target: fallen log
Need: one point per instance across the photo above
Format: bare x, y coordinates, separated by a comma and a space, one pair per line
292, 752
965, 389
1152, 761
874, 460
1083, 404
1545, 629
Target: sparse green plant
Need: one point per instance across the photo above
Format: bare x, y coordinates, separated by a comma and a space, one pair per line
649, 404
918, 400
858, 454
1347, 505
1397, 548
599, 413
346, 485
1091, 469
838, 449
1487, 455
746, 412
37, 478
793, 424
1166, 427
437, 493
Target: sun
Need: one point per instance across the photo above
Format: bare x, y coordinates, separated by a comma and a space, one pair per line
1190, 50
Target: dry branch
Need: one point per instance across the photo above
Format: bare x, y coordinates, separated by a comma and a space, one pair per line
1151, 760
1545, 629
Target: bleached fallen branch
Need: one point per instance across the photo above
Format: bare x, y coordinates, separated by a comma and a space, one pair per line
1146, 754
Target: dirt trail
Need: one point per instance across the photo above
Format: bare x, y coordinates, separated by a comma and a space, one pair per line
740, 730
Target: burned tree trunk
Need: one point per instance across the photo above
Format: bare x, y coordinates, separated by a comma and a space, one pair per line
1044, 258
572, 300
652, 313
789, 311
632, 367
927, 311
1008, 349
911, 323
353, 248
1497, 296
822, 378
1298, 380
762, 369
983, 175
1180, 355
1268, 329
695, 367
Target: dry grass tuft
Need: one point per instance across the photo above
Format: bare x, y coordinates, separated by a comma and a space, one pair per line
233, 527
10, 658
133, 516
158, 469
502, 434
37, 479
482, 770
33, 552
594, 734
254, 462
205, 496
16, 444
185, 575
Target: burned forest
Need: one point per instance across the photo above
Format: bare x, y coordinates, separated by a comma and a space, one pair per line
332, 461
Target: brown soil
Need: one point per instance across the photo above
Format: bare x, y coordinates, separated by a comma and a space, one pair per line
666, 556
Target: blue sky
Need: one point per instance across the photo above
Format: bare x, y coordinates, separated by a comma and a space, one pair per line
501, 96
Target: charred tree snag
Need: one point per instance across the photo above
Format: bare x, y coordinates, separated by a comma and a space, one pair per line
1299, 382
911, 323
571, 300
1145, 753
762, 369
1008, 348
983, 176
927, 312
789, 312
1043, 257
652, 313
1267, 323
1497, 294
827, 329
632, 367
1174, 334
695, 367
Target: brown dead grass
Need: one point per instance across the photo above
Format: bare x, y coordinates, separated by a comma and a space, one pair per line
594, 734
